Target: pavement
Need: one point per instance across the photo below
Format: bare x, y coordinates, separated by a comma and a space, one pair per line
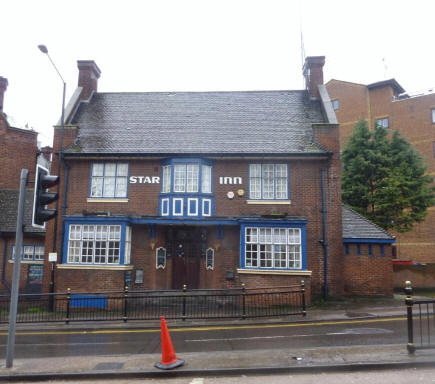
246, 362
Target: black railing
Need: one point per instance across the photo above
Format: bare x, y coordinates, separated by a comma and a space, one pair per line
421, 321
150, 305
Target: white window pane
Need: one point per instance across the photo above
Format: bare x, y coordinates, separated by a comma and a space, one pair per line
101, 232
266, 255
98, 169
28, 252
39, 253
294, 236
97, 187
192, 177
75, 232
115, 232
121, 187
166, 179
280, 236
206, 179
179, 178
109, 187
255, 170
122, 169
265, 235
74, 251
251, 235
280, 255
88, 232
109, 169
268, 181
251, 255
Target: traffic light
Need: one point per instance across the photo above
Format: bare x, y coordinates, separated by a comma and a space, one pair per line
43, 181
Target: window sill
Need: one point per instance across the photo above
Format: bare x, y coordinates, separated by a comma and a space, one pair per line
106, 200
291, 272
27, 261
281, 202
93, 266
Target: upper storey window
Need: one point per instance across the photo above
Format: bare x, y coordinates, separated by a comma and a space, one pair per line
186, 188
383, 122
109, 180
335, 104
187, 178
268, 181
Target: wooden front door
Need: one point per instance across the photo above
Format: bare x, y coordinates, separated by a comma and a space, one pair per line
185, 259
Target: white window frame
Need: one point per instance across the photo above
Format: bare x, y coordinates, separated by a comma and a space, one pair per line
335, 104
209, 207
83, 244
33, 253
260, 187
100, 180
433, 115
166, 184
189, 213
157, 256
381, 122
264, 248
175, 199
167, 203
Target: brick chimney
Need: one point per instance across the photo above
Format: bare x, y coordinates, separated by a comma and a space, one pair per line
313, 73
89, 74
3, 86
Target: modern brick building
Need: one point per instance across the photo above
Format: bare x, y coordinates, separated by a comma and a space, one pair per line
18, 150
207, 189
386, 103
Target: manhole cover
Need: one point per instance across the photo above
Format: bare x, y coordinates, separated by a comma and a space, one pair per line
108, 366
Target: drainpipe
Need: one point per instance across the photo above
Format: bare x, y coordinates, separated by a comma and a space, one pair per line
5, 256
64, 203
324, 240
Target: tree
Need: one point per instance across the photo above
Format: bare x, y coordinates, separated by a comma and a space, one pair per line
384, 178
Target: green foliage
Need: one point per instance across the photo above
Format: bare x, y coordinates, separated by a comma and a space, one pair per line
384, 179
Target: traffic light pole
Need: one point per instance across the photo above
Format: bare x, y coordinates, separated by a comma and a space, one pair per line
16, 273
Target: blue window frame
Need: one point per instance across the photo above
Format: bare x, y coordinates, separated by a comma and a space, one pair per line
370, 249
358, 249
346, 249
109, 180
268, 182
187, 188
97, 242
382, 249
30, 253
272, 246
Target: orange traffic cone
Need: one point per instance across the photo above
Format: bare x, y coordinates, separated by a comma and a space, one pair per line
169, 359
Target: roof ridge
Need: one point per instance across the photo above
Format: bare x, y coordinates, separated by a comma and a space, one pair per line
175, 92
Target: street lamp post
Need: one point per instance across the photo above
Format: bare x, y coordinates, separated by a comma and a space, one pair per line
44, 50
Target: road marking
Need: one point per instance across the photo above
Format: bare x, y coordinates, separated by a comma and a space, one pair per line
207, 329
251, 338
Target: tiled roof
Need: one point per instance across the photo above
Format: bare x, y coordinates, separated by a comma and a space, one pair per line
255, 122
9, 210
356, 226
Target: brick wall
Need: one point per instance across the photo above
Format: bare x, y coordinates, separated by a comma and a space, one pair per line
366, 274
412, 118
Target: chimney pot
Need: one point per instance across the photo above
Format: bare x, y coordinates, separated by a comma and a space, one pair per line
89, 74
313, 73
3, 86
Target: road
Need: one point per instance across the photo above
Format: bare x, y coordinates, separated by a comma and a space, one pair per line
396, 376
94, 342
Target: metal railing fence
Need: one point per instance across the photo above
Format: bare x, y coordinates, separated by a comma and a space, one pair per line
150, 305
421, 321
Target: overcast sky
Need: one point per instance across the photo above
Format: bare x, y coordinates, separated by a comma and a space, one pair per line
196, 45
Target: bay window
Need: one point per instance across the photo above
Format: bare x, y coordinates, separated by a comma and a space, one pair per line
98, 244
272, 247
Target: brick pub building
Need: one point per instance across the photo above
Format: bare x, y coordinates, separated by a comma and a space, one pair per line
18, 150
386, 103
208, 189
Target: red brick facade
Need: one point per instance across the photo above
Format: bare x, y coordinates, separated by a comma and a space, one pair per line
412, 117
18, 150
220, 232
